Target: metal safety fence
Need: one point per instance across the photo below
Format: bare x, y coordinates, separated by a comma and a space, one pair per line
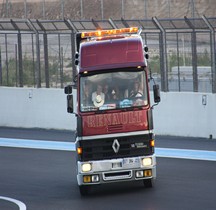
40, 53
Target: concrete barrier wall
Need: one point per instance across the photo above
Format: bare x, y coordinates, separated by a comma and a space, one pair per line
184, 114
35, 108
179, 114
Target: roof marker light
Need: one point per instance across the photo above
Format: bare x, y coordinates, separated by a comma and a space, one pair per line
100, 33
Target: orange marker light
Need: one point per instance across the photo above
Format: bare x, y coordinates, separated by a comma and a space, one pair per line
100, 33
79, 150
152, 143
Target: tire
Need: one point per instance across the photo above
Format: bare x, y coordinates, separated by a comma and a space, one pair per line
84, 190
148, 183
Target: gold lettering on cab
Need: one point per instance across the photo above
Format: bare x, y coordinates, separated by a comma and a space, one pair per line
97, 121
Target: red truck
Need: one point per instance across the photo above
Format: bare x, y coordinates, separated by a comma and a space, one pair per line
115, 139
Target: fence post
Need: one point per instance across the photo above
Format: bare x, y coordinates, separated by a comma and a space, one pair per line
20, 63
163, 56
46, 60
73, 46
43, 9
194, 54
62, 9
179, 73
16, 65
0, 68
62, 67
102, 12
123, 8
73, 52
6, 57
81, 9
213, 53
37, 39
38, 67
33, 59
194, 61
60, 49
25, 8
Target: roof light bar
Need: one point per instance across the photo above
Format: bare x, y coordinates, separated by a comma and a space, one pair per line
100, 33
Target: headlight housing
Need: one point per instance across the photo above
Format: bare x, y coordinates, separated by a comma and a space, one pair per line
86, 167
147, 161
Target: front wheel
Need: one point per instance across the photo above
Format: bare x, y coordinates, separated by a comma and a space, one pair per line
148, 183
84, 190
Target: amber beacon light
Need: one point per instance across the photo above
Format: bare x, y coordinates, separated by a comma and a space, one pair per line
100, 33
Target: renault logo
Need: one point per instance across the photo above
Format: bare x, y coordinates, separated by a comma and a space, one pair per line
116, 145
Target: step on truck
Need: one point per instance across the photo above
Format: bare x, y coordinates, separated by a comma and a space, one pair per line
115, 139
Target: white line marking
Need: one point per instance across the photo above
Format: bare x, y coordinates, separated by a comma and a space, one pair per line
37, 144
186, 154
70, 146
21, 205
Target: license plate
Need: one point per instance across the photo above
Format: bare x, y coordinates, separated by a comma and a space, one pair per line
117, 165
127, 161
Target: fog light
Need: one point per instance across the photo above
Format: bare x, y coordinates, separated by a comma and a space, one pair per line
139, 174
86, 179
86, 167
147, 161
95, 178
147, 173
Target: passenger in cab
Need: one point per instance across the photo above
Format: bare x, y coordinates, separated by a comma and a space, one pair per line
98, 97
115, 93
106, 91
87, 90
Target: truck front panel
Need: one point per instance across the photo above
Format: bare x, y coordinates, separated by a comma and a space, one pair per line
118, 157
101, 148
121, 169
123, 121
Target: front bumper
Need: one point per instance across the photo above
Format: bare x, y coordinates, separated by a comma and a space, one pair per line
116, 170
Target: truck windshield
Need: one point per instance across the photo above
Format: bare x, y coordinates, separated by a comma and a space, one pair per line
113, 90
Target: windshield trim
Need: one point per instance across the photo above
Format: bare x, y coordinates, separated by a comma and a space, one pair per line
124, 104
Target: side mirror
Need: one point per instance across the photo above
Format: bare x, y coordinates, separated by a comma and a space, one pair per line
156, 90
68, 89
70, 103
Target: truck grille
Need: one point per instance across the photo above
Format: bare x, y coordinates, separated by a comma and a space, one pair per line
129, 146
117, 175
115, 128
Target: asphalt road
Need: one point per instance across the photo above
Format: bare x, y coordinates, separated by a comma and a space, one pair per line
46, 180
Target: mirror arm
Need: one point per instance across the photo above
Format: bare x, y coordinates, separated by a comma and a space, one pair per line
152, 107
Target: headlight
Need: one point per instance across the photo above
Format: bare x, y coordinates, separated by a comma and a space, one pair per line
86, 167
147, 161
